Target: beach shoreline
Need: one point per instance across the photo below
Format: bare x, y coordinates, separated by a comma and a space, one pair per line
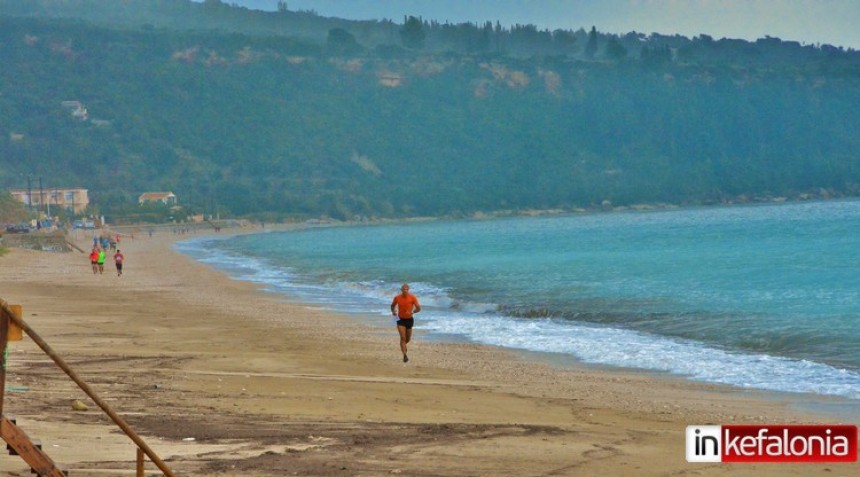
267, 386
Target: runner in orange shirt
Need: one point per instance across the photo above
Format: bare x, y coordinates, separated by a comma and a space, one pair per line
403, 307
94, 259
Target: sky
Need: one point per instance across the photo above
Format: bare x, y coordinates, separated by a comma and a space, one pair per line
834, 22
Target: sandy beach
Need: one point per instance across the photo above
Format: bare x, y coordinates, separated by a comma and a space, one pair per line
223, 379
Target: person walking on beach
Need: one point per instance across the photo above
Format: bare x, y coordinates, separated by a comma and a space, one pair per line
117, 259
403, 307
101, 261
94, 260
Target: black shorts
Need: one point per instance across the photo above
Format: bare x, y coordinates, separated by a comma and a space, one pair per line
407, 323
119, 266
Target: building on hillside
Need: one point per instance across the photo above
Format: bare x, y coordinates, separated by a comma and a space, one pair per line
76, 109
74, 199
166, 198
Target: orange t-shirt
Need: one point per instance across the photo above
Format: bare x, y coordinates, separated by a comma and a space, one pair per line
405, 305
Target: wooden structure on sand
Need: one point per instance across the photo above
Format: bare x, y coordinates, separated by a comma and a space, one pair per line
13, 328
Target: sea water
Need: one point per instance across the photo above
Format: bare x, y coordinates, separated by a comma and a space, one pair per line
762, 296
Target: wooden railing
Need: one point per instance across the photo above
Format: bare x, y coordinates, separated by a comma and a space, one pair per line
12, 327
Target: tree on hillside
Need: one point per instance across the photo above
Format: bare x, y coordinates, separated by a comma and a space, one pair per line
615, 50
412, 33
498, 35
591, 47
656, 56
564, 41
342, 42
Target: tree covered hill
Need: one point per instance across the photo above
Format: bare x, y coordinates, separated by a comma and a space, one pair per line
316, 119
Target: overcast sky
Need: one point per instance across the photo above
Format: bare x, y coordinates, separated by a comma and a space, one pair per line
836, 22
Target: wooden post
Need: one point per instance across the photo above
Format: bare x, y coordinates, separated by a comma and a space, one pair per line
4, 341
139, 462
15, 331
9, 331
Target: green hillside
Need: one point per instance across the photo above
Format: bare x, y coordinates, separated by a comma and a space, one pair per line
285, 114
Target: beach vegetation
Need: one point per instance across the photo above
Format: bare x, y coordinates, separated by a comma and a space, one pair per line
290, 114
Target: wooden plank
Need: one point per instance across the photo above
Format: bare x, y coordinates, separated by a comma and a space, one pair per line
38, 461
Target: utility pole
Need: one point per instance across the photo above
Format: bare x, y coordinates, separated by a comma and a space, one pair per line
29, 194
49, 201
41, 195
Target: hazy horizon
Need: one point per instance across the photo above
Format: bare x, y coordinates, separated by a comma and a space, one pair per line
814, 22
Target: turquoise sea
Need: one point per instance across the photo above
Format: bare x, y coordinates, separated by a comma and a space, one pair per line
764, 296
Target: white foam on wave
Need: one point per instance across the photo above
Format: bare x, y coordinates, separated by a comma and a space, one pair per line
627, 348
